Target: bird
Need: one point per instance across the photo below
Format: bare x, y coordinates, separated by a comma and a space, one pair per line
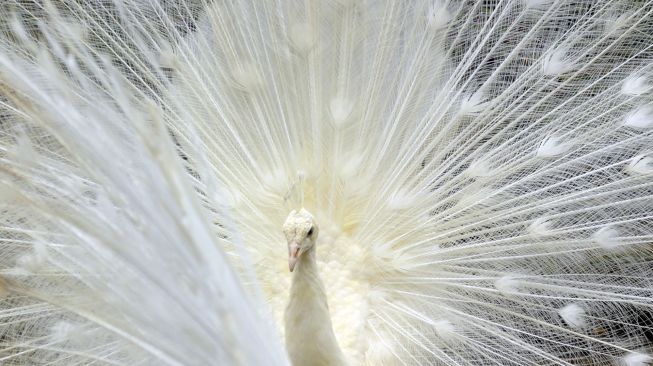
307, 314
479, 174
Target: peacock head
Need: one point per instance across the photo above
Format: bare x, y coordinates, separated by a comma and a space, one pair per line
301, 233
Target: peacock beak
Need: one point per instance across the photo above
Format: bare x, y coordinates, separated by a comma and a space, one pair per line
293, 255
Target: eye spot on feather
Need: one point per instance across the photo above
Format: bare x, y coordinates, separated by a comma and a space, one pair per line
636, 359
640, 118
508, 285
636, 85
341, 110
573, 315
438, 16
558, 62
246, 77
540, 226
552, 146
640, 164
607, 237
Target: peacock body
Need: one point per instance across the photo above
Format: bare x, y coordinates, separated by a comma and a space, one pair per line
481, 173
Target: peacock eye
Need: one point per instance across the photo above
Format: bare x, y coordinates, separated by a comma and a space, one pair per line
310, 232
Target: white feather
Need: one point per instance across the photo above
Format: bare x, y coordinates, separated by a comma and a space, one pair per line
636, 85
641, 118
573, 315
246, 76
640, 164
552, 146
479, 168
445, 330
617, 21
540, 226
439, 15
558, 62
341, 110
636, 359
607, 237
302, 36
507, 284
473, 103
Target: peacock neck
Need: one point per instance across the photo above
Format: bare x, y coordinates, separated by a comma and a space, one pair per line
309, 332
306, 271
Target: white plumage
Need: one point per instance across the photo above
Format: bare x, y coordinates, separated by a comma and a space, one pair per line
309, 333
480, 171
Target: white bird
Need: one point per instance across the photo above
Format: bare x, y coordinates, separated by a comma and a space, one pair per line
309, 333
481, 173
